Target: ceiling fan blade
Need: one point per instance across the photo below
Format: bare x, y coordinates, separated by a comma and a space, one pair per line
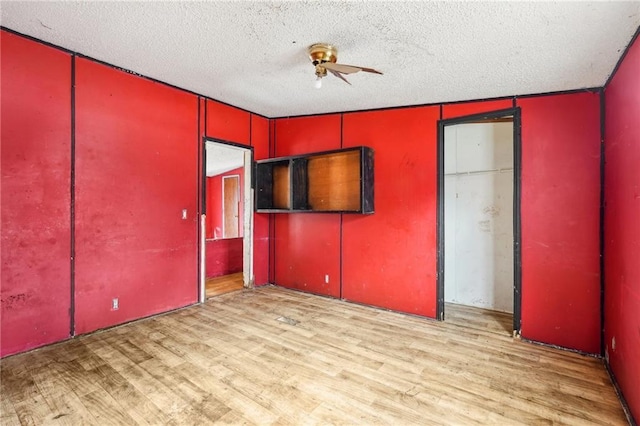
349, 69
371, 70
340, 76
345, 69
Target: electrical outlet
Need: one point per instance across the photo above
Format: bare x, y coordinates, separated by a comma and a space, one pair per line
184, 214
326, 279
115, 304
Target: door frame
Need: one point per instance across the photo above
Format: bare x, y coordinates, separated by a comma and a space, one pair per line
517, 175
247, 220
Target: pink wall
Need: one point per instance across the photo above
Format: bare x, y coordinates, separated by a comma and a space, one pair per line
622, 226
36, 171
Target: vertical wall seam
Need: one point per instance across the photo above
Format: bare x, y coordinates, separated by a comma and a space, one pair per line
250, 129
602, 220
273, 223
206, 108
517, 218
72, 201
199, 204
440, 218
342, 217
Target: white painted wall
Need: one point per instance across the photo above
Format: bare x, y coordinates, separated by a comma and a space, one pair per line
479, 215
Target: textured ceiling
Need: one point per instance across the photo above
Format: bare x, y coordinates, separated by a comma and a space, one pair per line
253, 54
223, 158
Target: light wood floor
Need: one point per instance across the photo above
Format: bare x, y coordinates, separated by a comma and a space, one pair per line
275, 356
224, 284
480, 319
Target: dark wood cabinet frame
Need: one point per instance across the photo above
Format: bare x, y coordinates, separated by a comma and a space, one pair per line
337, 181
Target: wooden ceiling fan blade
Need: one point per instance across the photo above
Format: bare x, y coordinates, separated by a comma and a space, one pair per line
340, 76
344, 69
371, 70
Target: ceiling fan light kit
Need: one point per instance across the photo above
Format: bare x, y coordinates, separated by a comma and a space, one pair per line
324, 57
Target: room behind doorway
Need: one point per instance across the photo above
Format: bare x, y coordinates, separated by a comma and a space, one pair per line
478, 221
227, 222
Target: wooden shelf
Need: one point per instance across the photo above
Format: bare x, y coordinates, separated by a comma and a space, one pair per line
332, 181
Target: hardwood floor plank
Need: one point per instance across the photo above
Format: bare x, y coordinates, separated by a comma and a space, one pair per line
61, 399
105, 409
223, 284
8, 414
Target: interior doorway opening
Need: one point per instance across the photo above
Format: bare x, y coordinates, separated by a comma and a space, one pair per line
478, 223
227, 222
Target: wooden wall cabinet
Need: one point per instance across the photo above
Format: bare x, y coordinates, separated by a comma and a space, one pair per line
338, 181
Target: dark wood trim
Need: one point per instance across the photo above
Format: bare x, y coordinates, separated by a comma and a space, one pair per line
299, 183
517, 220
602, 220
562, 348
341, 217
72, 205
294, 157
201, 191
517, 165
440, 305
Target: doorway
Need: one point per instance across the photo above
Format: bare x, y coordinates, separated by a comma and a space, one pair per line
226, 262
479, 221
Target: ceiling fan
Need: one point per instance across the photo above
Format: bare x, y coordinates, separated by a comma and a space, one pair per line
324, 57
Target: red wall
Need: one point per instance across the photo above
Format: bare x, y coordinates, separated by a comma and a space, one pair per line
235, 125
561, 220
622, 226
261, 222
469, 108
136, 169
223, 257
36, 169
214, 203
228, 123
389, 258
307, 246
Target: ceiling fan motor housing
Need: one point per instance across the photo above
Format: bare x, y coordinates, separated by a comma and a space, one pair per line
321, 53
